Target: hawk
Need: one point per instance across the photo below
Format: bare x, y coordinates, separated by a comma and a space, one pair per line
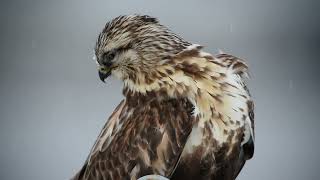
187, 114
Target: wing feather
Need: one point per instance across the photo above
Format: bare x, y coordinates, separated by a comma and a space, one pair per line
239, 67
143, 139
104, 136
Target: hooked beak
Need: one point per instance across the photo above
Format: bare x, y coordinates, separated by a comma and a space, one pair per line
104, 72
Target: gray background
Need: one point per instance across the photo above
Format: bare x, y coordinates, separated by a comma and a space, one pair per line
53, 104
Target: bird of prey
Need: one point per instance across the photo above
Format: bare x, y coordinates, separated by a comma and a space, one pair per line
187, 114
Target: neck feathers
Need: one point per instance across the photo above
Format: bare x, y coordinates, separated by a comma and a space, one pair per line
192, 74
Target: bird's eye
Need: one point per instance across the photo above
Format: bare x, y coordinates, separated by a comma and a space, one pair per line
110, 55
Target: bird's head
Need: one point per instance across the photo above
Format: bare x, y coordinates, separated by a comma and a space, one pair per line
131, 47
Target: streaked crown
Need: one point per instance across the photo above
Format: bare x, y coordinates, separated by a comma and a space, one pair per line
132, 43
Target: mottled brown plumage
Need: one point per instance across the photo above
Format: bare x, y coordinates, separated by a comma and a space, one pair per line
186, 115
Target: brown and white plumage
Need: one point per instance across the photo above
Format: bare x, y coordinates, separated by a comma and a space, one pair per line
186, 114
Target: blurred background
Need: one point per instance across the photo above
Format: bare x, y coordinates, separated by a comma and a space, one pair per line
53, 105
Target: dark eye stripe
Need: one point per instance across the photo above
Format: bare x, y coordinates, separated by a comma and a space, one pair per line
107, 57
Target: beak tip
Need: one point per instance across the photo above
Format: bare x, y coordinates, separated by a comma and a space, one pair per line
103, 76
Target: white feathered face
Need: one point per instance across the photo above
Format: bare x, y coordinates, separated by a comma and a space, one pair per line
134, 44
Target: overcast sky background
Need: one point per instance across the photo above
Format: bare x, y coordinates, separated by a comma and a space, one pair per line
53, 105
